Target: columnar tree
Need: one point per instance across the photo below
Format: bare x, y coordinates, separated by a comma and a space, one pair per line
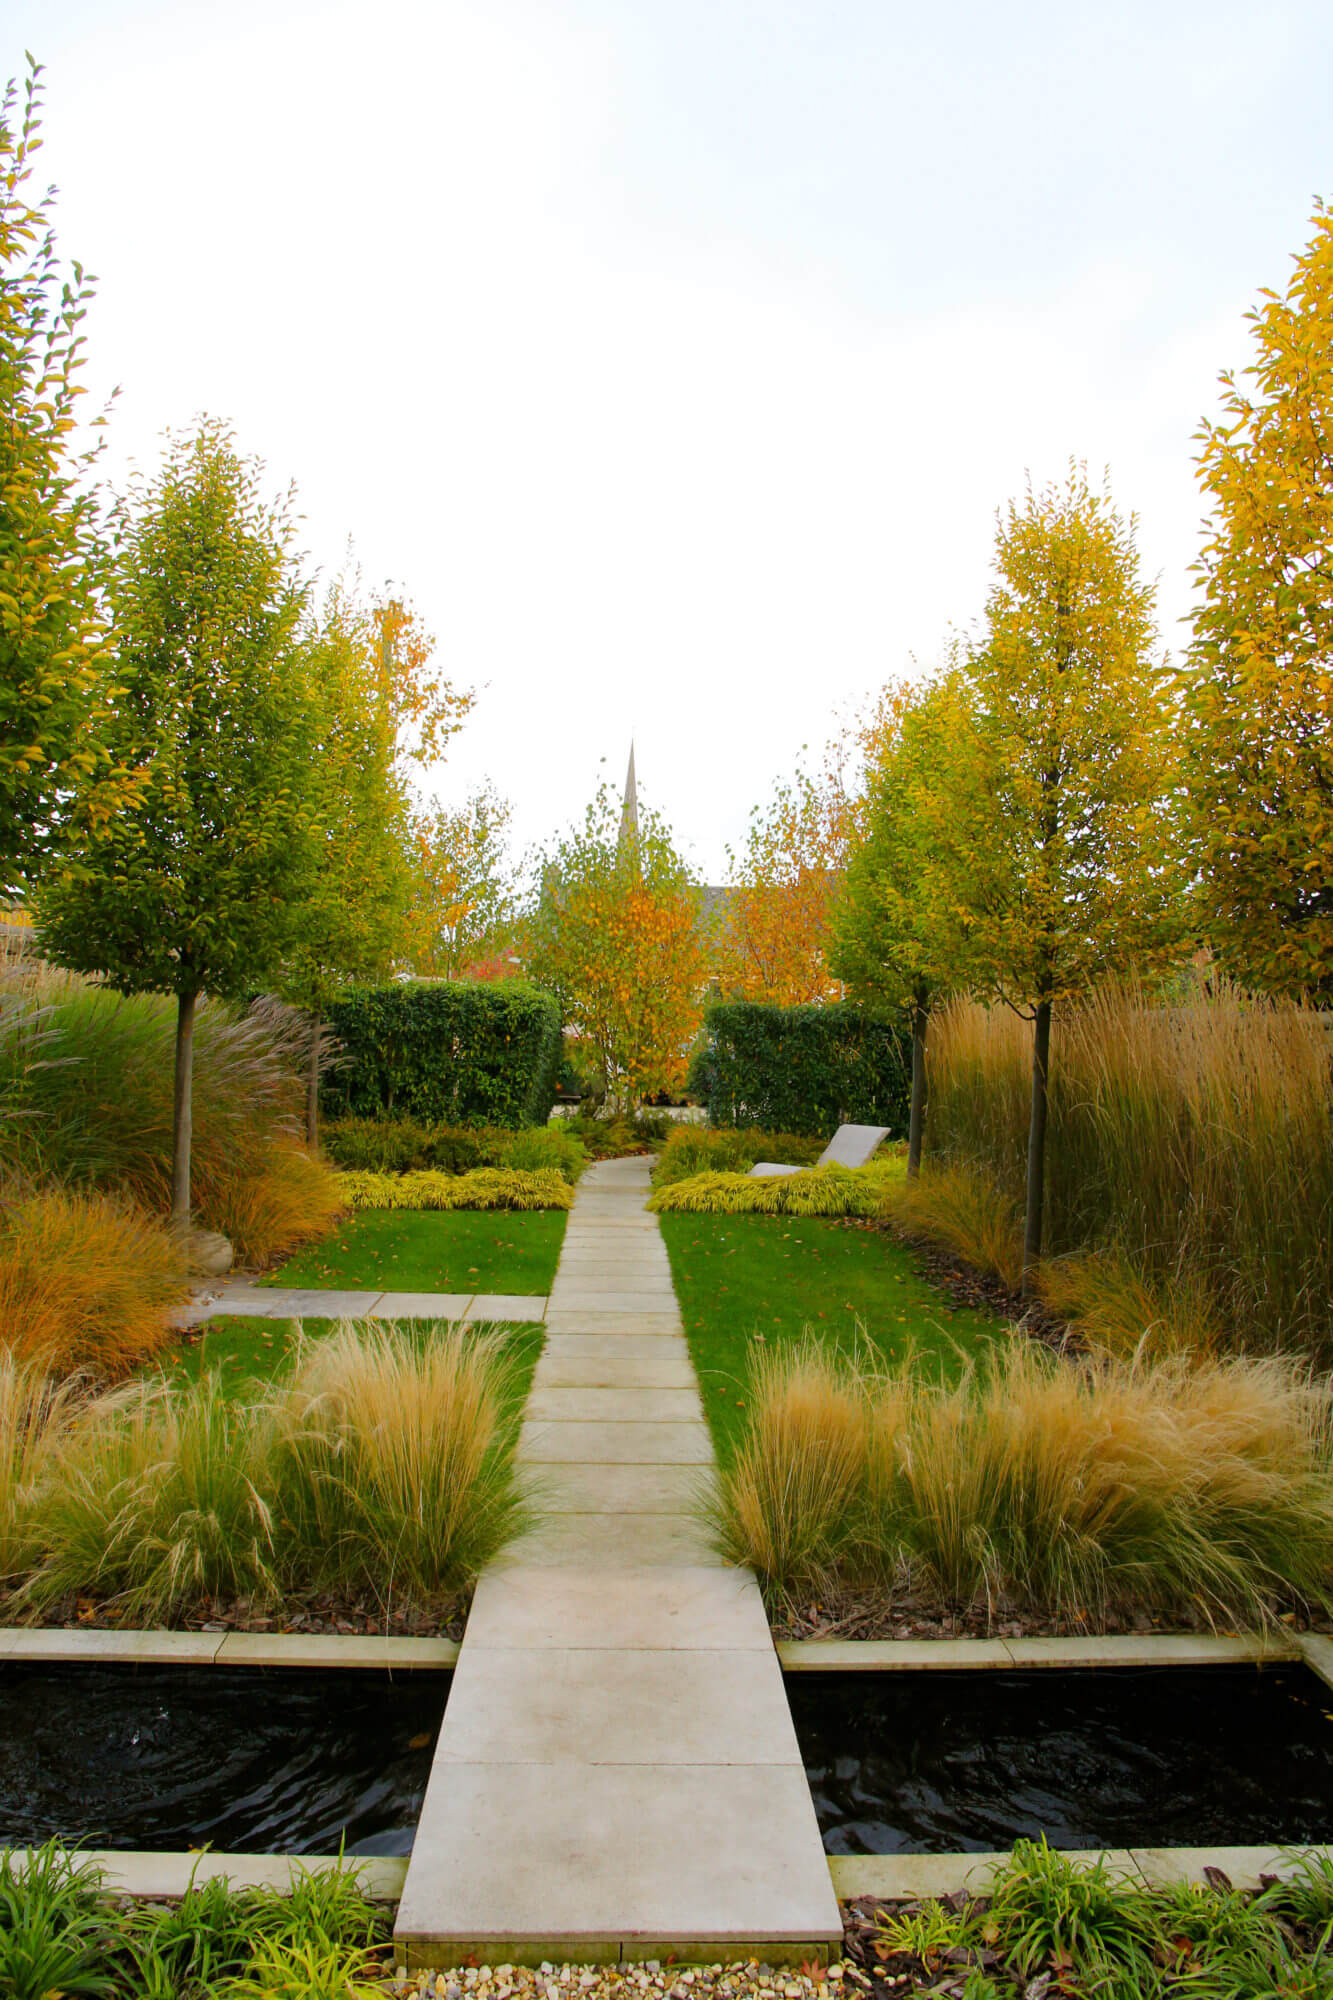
1061, 783
616, 935
897, 934
55, 660
463, 893
196, 887
1259, 691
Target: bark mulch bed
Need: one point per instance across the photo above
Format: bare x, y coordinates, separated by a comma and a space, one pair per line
354, 1617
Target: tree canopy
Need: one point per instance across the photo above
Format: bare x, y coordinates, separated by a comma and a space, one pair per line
1259, 686
55, 657
615, 934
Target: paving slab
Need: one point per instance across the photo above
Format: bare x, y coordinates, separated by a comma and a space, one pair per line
616, 1852
641, 1324
1318, 1654
507, 1306
582, 1541
422, 1305
560, 1707
900, 1876
688, 1609
668, 1370
277, 1303
609, 1347
560, 1443
611, 1405
133, 1872
623, 1489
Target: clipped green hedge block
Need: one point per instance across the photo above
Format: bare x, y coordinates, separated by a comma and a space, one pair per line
445, 1053
803, 1069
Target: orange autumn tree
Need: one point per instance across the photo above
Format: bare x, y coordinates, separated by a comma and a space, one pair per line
616, 936
773, 938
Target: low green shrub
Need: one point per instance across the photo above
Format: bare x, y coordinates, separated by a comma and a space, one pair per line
1069, 1491
830, 1190
404, 1146
63, 1934
545, 1149
488, 1187
802, 1069
618, 1138
446, 1052
697, 1149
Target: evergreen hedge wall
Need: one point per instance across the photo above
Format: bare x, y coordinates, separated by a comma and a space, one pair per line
446, 1053
803, 1069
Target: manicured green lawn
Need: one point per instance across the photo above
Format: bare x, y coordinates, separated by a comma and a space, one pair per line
246, 1351
746, 1279
415, 1250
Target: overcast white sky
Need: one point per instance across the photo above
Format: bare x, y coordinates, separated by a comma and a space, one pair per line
675, 354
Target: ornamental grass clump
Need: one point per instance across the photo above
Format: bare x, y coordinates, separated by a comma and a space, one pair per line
87, 1281
1191, 1139
85, 1086
155, 1498
393, 1461
385, 1467
1072, 1492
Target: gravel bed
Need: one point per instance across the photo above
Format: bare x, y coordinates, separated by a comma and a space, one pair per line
599, 1982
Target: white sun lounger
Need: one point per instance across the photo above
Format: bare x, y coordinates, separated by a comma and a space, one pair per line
850, 1146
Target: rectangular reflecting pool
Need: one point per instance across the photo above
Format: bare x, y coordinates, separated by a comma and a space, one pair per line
939, 1762
249, 1760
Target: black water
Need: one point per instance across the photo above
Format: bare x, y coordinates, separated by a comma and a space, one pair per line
249, 1760
930, 1763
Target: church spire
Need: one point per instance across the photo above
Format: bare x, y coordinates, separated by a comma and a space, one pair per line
629, 812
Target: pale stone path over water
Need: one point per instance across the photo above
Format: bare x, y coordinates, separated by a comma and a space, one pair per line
617, 1774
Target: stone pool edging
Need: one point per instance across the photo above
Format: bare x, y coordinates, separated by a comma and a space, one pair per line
135, 1872
1148, 1649
100, 1646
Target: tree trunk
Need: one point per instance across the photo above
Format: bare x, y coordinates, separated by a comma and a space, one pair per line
1041, 1064
182, 1097
312, 1082
916, 1122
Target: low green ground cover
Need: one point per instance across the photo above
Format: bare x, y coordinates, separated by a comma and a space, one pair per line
406, 1250
244, 1350
62, 1933
756, 1283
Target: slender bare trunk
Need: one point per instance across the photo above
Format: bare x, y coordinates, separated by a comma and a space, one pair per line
917, 1119
182, 1098
312, 1082
1041, 1065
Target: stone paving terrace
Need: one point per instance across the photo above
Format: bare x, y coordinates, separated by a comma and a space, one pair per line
617, 1775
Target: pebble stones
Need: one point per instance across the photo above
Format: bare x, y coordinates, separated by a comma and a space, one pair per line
625, 1982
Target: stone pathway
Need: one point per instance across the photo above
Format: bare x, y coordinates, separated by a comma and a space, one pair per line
617, 1776
274, 1302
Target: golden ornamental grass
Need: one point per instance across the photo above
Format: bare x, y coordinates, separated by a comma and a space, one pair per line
1190, 1142
1070, 1491
87, 1282
385, 1468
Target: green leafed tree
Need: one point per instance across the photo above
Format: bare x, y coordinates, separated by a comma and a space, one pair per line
196, 888
55, 662
1061, 789
898, 938
1259, 686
